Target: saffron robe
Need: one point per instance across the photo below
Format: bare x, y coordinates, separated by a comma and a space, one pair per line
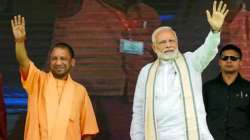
55, 113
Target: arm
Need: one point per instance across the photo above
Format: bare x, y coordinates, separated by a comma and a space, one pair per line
137, 124
18, 29
204, 92
88, 123
208, 50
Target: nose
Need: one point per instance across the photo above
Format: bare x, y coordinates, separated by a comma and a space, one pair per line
167, 44
58, 62
229, 60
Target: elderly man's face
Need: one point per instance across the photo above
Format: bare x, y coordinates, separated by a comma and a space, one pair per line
166, 43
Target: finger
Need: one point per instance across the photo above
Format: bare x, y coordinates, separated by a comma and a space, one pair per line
208, 15
225, 14
219, 7
15, 21
224, 8
18, 19
12, 24
214, 6
23, 22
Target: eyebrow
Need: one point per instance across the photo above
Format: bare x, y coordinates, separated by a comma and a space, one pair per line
162, 41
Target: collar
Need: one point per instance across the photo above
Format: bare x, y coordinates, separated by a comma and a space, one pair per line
237, 80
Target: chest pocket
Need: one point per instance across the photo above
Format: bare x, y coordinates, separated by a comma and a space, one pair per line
73, 129
74, 122
73, 117
241, 99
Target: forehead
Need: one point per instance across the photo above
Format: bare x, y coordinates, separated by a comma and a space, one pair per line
230, 52
58, 51
165, 34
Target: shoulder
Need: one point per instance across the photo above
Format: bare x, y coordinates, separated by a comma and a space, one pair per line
80, 89
210, 86
188, 56
34, 75
33, 69
245, 82
145, 69
211, 83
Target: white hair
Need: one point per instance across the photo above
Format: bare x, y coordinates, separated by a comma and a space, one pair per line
156, 31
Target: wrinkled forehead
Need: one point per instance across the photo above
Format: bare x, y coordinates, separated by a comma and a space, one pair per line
163, 32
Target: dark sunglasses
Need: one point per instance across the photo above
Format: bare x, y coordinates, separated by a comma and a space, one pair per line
232, 58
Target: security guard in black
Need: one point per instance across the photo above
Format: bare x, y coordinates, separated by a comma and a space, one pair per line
226, 98
228, 108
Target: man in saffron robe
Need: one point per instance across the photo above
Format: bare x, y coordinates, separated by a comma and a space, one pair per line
168, 103
58, 107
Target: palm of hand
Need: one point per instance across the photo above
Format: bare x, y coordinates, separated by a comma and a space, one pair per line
19, 32
216, 20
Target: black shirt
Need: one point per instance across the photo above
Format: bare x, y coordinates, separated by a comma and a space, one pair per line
228, 109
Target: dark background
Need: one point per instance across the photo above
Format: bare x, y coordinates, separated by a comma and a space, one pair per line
187, 17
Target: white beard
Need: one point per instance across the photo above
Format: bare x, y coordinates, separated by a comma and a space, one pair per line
168, 55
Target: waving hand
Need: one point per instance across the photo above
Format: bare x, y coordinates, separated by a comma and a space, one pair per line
18, 28
216, 18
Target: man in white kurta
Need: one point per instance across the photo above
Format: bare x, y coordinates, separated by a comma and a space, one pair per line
168, 104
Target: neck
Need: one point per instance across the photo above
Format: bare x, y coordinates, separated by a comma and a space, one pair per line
229, 78
64, 78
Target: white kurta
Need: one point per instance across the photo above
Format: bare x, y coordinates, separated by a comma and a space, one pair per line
168, 103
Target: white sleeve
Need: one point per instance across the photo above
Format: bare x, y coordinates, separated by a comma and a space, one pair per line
206, 52
137, 124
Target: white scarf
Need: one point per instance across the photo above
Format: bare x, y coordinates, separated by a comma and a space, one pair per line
192, 131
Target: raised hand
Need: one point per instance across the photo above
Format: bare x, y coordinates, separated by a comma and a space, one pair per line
18, 28
216, 20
